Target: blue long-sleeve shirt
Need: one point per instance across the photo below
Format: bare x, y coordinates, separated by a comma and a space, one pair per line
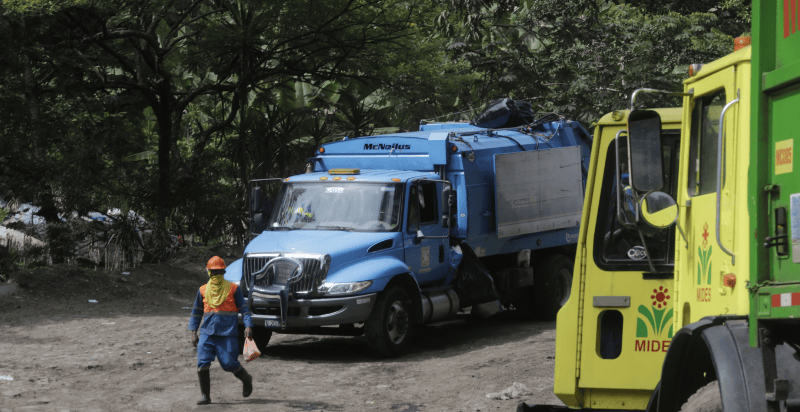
219, 323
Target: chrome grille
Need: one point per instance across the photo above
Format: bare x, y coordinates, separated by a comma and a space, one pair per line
314, 270
253, 264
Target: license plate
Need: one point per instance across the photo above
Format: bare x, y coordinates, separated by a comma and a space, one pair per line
272, 323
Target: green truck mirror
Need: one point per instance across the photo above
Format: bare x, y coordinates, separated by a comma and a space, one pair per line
644, 146
659, 210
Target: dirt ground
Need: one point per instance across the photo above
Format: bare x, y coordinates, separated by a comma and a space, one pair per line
131, 351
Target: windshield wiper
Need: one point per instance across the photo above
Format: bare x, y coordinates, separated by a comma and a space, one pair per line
345, 228
281, 227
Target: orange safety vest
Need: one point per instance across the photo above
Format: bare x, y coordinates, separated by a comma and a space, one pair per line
228, 305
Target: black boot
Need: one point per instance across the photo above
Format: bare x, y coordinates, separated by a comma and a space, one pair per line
205, 386
247, 380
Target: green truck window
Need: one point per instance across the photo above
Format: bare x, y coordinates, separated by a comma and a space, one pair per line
703, 148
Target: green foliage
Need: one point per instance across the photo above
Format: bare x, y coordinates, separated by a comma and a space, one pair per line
33, 7
584, 58
173, 106
170, 108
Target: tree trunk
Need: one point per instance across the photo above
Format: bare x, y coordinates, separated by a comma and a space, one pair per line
32, 98
163, 202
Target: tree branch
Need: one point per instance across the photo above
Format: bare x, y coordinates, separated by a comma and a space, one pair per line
126, 33
158, 17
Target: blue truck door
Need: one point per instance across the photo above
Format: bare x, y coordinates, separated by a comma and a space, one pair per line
427, 258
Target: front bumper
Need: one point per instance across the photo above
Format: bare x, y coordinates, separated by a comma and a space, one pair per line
312, 312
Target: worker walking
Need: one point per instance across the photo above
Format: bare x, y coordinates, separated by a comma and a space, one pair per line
218, 305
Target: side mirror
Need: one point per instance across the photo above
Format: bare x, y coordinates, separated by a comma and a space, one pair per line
659, 210
448, 207
446, 201
418, 238
644, 146
255, 199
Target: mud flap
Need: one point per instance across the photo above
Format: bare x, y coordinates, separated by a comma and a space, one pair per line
474, 284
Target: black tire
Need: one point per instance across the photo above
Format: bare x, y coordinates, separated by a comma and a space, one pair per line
260, 335
552, 285
390, 327
706, 399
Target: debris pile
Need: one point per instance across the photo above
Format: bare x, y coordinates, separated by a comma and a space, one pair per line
514, 391
114, 238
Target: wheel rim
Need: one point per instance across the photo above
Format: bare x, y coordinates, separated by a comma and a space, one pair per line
397, 322
563, 286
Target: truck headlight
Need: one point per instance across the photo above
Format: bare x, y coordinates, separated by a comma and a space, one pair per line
342, 288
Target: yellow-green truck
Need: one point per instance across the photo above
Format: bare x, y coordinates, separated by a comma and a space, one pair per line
686, 292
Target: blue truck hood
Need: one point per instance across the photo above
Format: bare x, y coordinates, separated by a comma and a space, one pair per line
351, 258
338, 244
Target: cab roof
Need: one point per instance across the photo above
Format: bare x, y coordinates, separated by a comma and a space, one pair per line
364, 175
739, 56
668, 115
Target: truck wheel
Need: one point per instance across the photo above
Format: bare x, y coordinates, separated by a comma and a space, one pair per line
552, 286
390, 325
260, 335
706, 399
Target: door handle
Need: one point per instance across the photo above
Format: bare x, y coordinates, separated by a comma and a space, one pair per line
771, 241
781, 238
720, 160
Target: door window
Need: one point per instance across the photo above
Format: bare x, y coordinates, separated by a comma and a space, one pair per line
422, 206
703, 147
621, 248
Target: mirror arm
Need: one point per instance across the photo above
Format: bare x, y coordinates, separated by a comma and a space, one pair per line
645, 90
620, 215
647, 252
680, 229
720, 136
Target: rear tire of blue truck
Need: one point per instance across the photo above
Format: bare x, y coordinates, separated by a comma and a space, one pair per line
260, 335
389, 328
552, 284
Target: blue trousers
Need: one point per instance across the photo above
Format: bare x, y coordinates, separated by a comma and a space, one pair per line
224, 348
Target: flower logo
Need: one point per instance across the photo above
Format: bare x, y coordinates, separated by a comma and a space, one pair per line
660, 297
704, 252
658, 316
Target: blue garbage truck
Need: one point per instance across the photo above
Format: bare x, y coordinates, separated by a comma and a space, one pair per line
386, 234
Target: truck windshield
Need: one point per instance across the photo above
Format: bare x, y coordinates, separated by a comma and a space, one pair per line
360, 207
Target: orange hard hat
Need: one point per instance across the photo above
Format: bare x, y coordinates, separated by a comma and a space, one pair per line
215, 263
